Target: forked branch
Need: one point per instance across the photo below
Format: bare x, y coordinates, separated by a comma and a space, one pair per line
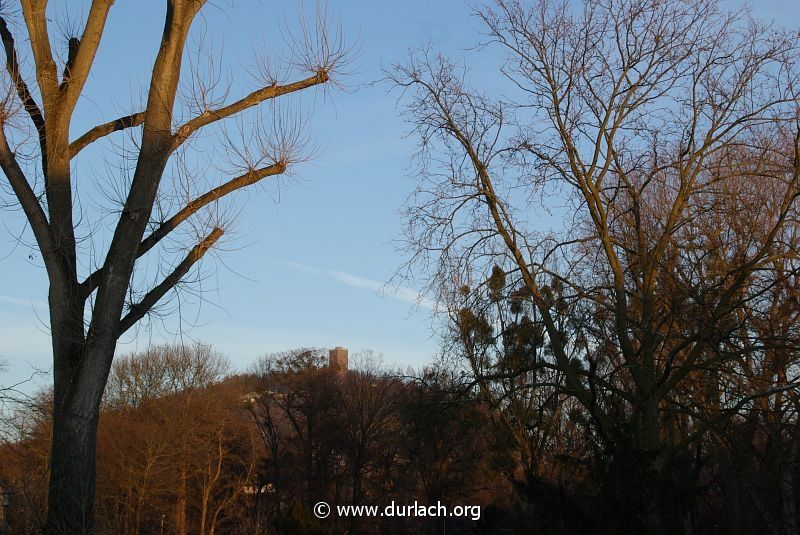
137, 311
247, 179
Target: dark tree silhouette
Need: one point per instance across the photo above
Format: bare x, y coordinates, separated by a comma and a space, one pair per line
664, 135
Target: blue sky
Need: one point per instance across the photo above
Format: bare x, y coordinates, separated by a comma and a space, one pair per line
310, 269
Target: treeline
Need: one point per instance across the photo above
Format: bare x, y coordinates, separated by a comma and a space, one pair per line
184, 446
368, 437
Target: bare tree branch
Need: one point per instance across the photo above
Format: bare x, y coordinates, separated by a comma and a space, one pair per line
256, 97
247, 179
137, 311
83, 51
13, 68
29, 202
100, 131
34, 12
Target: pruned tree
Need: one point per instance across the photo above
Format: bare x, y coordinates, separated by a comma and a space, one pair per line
99, 287
663, 137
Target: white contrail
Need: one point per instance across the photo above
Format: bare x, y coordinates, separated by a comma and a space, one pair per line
407, 295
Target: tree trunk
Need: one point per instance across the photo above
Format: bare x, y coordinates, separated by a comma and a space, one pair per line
80, 371
203, 513
72, 465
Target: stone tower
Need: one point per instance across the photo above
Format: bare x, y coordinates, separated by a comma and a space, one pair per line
338, 359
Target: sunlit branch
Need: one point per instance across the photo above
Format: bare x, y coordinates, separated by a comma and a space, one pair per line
256, 97
100, 131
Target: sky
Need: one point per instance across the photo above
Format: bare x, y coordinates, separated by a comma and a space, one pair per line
311, 262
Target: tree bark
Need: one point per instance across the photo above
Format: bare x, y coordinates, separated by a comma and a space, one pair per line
76, 409
788, 489
72, 471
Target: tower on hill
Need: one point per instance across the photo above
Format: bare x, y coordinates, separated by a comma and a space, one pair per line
338, 359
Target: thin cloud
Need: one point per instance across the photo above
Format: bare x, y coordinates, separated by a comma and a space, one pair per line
23, 302
303, 267
407, 295
355, 281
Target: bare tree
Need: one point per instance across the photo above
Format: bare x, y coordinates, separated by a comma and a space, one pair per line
163, 370
95, 295
174, 383
665, 135
369, 405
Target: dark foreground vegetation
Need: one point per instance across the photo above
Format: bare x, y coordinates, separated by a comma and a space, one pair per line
186, 447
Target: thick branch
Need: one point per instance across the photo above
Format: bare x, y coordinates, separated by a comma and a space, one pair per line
239, 182
30, 204
46, 72
12, 65
247, 179
153, 157
100, 131
82, 52
253, 99
141, 308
